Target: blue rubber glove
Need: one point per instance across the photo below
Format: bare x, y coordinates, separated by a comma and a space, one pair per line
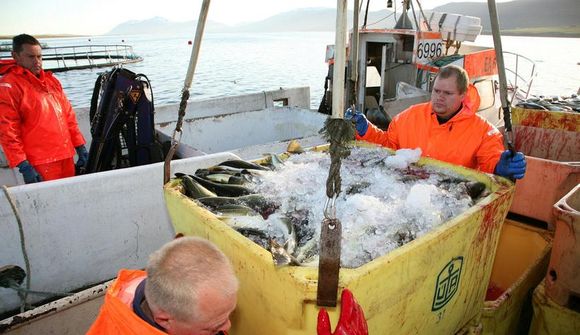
361, 123
28, 172
83, 157
511, 166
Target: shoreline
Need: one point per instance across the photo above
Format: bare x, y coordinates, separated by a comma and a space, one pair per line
9, 37
558, 34
543, 34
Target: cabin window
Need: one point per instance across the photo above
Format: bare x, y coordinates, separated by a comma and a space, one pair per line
373, 77
280, 102
486, 91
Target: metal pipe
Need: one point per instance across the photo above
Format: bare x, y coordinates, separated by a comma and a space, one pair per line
339, 61
383, 74
196, 44
353, 50
176, 137
501, 72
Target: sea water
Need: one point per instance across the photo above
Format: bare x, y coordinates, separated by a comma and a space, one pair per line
239, 63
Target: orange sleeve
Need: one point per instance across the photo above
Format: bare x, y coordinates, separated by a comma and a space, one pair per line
490, 150
386, 138
10, 124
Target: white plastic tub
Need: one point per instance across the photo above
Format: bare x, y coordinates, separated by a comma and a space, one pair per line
455, 27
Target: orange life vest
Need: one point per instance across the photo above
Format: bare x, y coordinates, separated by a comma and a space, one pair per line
116, 315
466, 139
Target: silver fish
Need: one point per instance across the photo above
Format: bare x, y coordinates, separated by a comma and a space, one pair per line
241, 164
274, 161
195, 190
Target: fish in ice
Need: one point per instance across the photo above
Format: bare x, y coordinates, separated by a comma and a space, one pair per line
228, 190
195, 190
242, 164
257, 202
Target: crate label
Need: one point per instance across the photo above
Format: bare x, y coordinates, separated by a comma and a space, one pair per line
447, 283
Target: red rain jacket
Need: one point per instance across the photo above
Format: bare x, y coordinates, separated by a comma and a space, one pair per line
466, 139
37, 121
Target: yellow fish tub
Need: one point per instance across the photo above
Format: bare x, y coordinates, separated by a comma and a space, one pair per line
433, 284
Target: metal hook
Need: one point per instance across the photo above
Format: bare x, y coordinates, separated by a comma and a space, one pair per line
175, 132
330, 209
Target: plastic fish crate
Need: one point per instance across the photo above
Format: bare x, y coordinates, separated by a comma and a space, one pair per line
435, 284
551, 142
563, 278
520, 265
550, 318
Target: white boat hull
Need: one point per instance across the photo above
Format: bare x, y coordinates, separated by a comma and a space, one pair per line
80, 231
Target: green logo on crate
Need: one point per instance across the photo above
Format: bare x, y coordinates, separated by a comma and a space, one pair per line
447, 283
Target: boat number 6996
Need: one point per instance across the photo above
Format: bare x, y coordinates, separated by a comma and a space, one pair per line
429, 49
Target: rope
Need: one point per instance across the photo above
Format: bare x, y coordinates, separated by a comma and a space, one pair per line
174, 142
186, 85
384, 18
417, 25
182, 108
424, 17
23, 295
339, 133
45, 293
366, 14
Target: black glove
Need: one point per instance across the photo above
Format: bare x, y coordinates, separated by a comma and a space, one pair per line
28, 172
83, 158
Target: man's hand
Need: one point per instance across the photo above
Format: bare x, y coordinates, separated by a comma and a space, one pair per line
83, 157
360, 120
28, 172
352, 319
511, 166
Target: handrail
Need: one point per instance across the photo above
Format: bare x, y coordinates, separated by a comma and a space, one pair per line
85, 56
521, 91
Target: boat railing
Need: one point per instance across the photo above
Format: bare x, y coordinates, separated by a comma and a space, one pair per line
74, 57
520, 73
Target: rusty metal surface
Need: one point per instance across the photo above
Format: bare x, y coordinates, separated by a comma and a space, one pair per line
329, 264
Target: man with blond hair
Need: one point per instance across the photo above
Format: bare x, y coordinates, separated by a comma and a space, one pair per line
188, 288
447, 128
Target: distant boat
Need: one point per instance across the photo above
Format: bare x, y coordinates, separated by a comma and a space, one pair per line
78, 57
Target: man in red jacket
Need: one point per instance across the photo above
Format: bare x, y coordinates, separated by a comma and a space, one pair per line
38, 127
447, 128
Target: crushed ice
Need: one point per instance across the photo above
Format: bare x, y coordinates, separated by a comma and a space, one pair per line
385, 202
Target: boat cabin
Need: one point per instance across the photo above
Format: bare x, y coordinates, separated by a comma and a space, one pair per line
397, 67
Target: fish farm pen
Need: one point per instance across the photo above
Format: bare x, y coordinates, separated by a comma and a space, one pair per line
78, 57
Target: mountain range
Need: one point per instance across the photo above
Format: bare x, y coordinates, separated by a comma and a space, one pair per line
519, 17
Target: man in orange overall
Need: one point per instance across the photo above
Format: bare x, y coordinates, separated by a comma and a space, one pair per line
447, 128
38, 127
190, 288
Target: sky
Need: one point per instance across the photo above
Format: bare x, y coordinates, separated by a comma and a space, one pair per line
95, 17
